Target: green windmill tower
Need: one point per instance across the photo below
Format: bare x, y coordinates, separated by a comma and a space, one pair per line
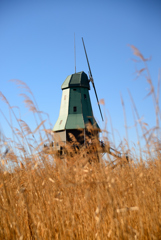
76, 110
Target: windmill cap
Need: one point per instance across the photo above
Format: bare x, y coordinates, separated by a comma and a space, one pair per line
79, 79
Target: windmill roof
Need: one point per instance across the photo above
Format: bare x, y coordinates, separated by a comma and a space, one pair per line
79, 79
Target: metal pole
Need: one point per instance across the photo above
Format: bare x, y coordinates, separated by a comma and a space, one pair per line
74, 53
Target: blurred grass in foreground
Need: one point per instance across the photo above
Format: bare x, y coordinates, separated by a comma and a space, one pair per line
45, 197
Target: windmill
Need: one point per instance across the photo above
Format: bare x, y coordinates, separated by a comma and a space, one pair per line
76, 112
76, 109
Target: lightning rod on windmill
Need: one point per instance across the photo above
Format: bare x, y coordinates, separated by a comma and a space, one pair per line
74, 53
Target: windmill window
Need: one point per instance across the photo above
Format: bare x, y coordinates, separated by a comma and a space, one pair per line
74, 109
74, 89
64, 97
60, 122
85, 96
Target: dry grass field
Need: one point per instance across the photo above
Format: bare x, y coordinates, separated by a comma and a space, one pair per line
54, 201
45, 197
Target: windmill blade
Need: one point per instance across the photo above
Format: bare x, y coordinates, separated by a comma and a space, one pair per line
97, 100
91, 78
87, 58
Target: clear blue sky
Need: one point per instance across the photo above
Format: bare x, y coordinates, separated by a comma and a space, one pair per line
37, 47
